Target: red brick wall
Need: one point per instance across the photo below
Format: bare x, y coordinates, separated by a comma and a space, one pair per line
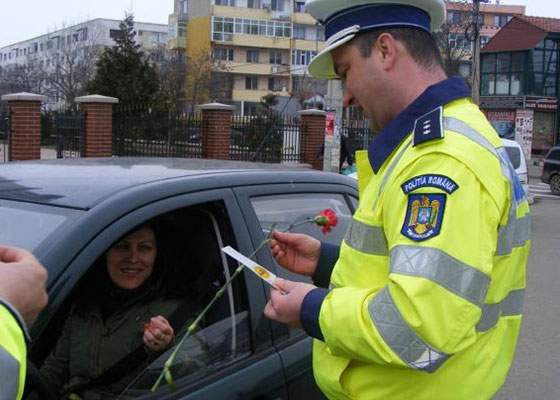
216, 134
313, 128
25, 128
98, 135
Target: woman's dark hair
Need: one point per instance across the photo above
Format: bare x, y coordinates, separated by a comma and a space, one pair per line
420, 44
171, 274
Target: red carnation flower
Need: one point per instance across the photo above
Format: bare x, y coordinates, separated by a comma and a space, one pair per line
326, 219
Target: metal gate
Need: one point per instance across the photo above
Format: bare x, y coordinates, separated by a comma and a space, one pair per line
62, 134
4, 136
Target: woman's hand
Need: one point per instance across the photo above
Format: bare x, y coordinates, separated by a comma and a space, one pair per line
158, 334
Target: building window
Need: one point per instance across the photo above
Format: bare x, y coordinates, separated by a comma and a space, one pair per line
502, 74
274, 84
253, 56
277, 5
299, 32
299, 6
115, 34
230, 3
83, 34
223, 28
501, 20
459, 42
544, 62
222, 53
251, 82
302, 57
454, 17
183, 7
275, 57
254, 4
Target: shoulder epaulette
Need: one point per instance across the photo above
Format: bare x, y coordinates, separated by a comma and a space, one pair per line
428, 127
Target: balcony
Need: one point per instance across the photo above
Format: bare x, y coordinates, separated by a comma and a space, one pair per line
303, 19
310, 45
241, 12
257, 41
258, 69
254, 95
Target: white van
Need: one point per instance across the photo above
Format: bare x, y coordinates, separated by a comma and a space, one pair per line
517, 158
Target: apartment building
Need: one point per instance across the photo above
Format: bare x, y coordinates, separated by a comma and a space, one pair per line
492, 17
76, 43
264, 45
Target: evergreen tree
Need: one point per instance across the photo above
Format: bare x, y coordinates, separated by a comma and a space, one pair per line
124, 71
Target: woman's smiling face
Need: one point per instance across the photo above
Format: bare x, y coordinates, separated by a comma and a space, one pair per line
131, 261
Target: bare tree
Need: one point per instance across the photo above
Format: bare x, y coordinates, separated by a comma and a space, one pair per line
70, 64
20, 78
207, 79
455, 37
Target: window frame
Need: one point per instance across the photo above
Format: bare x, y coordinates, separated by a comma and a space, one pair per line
60, 290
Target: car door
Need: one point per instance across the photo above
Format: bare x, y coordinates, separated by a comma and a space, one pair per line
284, 204
239, 361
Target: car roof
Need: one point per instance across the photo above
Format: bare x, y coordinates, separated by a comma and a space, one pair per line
84, 182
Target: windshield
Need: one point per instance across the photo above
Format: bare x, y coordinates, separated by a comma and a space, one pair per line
514, 155
26, 225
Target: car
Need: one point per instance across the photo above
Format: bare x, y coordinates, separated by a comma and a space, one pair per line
69, 212
517, 158
551, 169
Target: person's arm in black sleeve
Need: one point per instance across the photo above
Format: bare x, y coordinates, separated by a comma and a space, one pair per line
327, 260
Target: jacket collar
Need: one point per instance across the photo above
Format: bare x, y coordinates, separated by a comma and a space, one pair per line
399, 128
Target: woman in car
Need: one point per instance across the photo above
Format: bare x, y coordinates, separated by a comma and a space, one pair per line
120, 323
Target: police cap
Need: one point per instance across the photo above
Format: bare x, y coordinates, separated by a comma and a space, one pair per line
343, 19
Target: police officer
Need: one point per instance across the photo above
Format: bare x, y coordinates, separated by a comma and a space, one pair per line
22, 297
423, 298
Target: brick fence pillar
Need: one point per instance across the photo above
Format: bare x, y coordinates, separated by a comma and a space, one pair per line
313, 136
216, 130
98, 133
25, 125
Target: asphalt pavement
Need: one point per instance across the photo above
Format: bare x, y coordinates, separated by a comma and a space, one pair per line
535, 374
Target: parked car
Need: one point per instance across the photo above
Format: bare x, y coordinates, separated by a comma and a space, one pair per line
517, 158
69, 212
551, 170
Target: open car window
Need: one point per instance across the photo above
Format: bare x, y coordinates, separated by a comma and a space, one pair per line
201, 354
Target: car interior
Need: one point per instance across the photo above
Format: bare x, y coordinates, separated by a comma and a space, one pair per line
194, 237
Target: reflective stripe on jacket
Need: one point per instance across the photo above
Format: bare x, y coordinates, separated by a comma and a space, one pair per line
13, 355
434, 318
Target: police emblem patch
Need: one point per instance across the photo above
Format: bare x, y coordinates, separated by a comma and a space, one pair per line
423, 216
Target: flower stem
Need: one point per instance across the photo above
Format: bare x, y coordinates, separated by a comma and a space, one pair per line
166, 372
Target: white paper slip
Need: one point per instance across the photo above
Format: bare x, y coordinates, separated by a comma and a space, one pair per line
261, 271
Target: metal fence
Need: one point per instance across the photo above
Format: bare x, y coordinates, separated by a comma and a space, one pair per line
143, 131
357, 132
266, 138
4, 135
62, 134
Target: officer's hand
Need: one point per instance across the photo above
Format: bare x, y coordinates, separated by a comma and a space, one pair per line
296, 252
285, 304
22, 282
158, 334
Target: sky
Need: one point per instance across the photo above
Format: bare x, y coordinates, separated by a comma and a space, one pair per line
25, 19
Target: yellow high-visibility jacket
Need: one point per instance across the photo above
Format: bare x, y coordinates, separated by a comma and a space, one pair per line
426, 296
13, 353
